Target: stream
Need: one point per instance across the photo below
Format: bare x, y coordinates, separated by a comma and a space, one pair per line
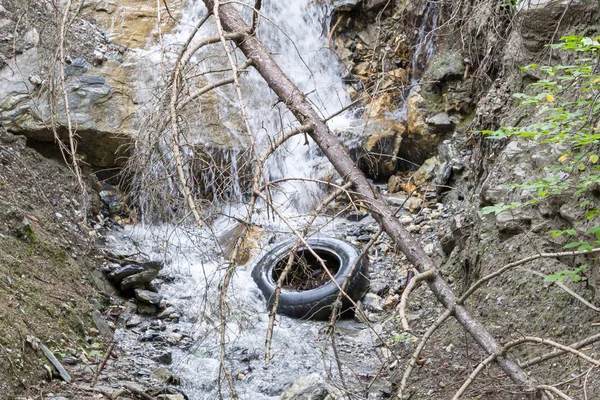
195, 268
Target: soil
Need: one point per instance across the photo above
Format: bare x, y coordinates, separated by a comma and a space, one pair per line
46, 264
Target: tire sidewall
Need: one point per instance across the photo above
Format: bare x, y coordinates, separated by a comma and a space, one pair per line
314, 303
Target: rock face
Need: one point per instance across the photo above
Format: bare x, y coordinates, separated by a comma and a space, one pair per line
108, 66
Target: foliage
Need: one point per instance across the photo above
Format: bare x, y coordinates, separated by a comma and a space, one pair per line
567, 103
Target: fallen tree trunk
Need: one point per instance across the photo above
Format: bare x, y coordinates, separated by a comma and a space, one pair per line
302, 109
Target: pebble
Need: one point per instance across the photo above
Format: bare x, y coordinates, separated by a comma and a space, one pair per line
405, 219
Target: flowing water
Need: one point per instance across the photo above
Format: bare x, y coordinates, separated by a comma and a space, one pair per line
295, 33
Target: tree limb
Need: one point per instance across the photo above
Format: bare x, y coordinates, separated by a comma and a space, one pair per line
297, 102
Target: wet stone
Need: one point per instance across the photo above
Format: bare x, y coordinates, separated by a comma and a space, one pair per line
133, 321
123, 272
151, 337
165, 376
146, 309
147, 296
167, 312
165, 358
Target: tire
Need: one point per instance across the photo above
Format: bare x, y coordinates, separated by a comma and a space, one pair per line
314, 303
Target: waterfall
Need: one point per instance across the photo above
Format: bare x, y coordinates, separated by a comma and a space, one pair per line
424, 50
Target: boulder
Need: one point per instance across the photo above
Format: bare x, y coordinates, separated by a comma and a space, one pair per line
377, 147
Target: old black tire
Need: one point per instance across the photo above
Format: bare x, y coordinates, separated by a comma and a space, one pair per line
314, 303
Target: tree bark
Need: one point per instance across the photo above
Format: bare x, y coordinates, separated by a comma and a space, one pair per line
302, 109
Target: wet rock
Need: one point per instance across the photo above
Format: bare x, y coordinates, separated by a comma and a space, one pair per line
171, 397
414, 117
310, 387
109, 195
148, 297
133, 321
165, 376
345, 5
146, 309
139, 280
165, 358
123, 272
167, 311
446, 66
381, 140
440, 123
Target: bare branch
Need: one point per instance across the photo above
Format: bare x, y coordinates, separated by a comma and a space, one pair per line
407, 291
514, 264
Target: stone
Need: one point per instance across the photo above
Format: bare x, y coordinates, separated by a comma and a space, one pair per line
345, 5
310, 387
123, 272
414, 117
405, 219
399, 75
413, 204
139, 280
373, 302
177, 396
133, 321
53, 360
426, 171
175, 338
395, 184
147, 309
35, 80
397, 199
514, 221
167, 312
429, 249
165, 376
445, 66
147, 296
381, 140
101, 324
165, 358
440, 123
362, 68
